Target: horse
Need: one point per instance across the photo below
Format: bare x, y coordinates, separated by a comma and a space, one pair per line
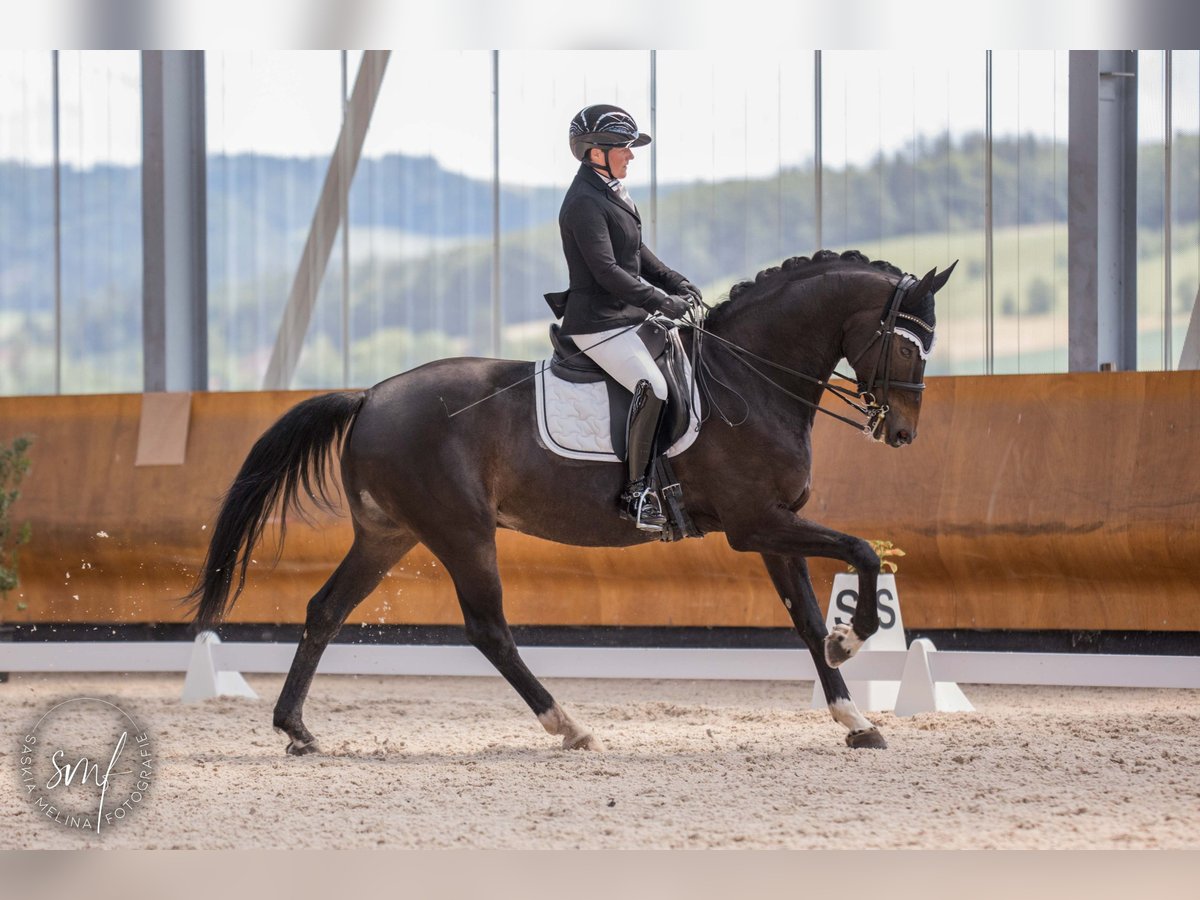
412, 472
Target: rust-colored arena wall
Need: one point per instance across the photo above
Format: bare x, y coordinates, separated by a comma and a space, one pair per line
1027, 502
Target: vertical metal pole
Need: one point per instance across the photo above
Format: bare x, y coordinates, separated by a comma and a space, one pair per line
497, 306
818, 152
344, 212
174, 217
654, 148
1101, 204
1168, 125
199, 269
989, 309
58, 342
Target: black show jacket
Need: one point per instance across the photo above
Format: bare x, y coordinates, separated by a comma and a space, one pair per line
602, 240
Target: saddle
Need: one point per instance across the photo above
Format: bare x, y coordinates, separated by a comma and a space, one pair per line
583, 414
569, 364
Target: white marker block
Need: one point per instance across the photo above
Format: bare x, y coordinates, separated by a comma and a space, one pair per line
920, 693
205, 681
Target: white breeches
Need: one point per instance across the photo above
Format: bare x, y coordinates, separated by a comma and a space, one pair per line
624, 357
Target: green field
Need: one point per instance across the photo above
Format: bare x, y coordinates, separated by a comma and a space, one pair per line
1030, 295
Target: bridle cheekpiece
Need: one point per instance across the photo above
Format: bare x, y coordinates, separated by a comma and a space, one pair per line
875, 391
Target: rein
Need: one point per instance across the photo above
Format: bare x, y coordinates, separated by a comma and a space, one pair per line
874, 410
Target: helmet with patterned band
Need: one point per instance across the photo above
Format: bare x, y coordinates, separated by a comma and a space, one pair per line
604, 126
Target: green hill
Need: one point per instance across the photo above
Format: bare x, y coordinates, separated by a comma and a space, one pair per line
422, 256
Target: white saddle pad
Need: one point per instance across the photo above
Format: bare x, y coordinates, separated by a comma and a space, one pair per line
573, 419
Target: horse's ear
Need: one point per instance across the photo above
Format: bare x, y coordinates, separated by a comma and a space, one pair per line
940, 281
924, 286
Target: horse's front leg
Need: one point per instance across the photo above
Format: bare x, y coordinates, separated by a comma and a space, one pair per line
783, 533
790, 575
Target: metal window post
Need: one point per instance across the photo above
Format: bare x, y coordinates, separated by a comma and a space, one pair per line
1168, 143
989, 265
344, 213
497, 304
57, 138
818, 153
654, 148
174, 221
1101, 211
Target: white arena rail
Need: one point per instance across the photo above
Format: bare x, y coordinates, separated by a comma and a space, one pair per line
970, 667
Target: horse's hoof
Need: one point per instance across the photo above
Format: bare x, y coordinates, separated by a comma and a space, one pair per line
298, 748
582, 742
840, 644
870, 739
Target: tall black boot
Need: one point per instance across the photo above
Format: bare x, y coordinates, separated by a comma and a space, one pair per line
638, 502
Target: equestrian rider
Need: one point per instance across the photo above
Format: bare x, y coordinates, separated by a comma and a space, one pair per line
615, 284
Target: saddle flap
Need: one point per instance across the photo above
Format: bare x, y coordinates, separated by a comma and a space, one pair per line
570, 365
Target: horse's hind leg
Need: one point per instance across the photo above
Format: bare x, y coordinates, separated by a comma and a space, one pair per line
358, 574
472, 566
790, 575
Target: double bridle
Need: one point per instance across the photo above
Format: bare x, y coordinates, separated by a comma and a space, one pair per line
870, 399
886, 331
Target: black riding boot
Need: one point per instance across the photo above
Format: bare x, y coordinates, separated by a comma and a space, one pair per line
638, 502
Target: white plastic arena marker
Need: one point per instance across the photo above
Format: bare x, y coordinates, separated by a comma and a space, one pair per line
868, 696
204, 681
920, 693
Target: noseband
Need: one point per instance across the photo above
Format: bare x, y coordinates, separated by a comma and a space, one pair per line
875, 391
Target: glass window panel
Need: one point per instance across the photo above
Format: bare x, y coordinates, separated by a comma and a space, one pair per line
1029, 175
320, 362
272, 122
905, 178
1185, 195
735, 147
421, 216
539, 94
1151, 203
101, 149
26, 223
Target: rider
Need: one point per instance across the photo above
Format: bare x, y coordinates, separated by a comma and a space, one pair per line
616, 283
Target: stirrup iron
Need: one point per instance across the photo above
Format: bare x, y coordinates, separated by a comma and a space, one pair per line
641, 505
649, 518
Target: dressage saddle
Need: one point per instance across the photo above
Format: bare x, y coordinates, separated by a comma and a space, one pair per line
662, 340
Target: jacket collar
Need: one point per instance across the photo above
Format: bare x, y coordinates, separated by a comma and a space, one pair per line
594, 179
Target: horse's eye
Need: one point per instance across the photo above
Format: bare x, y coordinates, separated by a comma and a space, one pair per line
906, 352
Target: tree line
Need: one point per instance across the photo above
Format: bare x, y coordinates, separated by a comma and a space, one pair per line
434, 268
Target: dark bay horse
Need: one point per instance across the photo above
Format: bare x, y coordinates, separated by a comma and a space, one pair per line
412, 473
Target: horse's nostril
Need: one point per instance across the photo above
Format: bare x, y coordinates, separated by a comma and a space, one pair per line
903, 436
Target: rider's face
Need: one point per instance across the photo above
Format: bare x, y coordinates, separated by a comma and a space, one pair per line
618, 160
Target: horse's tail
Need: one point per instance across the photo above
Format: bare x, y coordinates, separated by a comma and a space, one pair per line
292, 453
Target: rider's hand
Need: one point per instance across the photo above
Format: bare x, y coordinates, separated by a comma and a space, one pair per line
687, 288
675, 307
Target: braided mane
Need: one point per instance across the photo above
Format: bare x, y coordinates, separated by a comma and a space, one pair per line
797, 268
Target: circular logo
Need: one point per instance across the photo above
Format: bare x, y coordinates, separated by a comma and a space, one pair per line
86, 764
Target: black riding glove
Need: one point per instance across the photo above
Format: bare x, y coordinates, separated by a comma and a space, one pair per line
675, 307
686, 287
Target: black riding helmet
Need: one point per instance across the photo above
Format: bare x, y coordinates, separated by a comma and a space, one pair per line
604, 126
